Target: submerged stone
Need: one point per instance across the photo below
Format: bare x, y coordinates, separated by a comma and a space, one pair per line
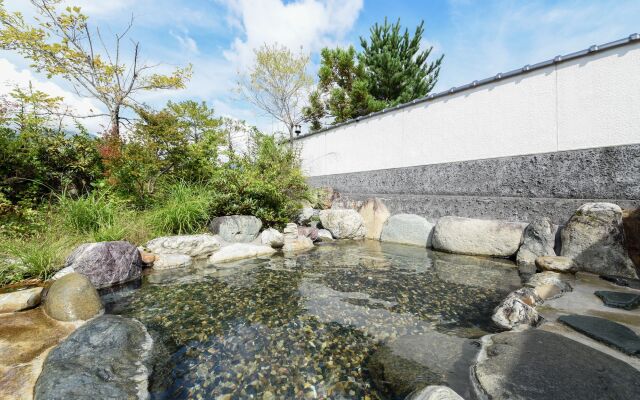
410, 363
107, 358
539, 365
609, 332
628, 301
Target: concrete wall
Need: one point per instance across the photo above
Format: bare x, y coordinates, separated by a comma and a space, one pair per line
592, 101
542, 142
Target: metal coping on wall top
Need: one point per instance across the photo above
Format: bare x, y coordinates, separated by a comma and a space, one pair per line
635, 37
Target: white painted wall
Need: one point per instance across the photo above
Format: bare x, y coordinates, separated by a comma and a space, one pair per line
589, 102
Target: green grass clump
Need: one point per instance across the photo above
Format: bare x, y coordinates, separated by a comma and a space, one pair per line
89, 213
39, 257
184, 209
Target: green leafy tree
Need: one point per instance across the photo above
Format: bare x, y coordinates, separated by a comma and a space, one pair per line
31, 109
61, 43
178, 143
342, 91
396, 69
278, 84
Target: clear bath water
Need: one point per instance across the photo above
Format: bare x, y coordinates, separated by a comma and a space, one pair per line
308, 326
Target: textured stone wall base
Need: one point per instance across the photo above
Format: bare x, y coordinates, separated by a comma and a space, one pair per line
513, 188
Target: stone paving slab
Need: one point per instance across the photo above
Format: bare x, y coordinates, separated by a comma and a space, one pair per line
628, 301
609, 332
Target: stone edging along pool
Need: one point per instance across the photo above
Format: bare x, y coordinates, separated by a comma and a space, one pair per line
592, 241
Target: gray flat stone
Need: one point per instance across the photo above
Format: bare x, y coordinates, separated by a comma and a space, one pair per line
539, 365
608, 332
628, 301
622, 281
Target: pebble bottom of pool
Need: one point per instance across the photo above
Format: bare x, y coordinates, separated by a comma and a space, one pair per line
348, 320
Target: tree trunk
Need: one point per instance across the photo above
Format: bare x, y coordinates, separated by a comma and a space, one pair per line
115, 123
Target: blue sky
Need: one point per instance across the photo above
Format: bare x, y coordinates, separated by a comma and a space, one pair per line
478, 38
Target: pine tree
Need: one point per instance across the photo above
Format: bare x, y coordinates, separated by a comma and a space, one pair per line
397, 71
342, 91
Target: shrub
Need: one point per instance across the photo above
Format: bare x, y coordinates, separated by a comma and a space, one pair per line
267, 182
182, 209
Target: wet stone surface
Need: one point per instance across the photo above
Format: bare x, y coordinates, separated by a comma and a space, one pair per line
608, 332
305, 326
628, 301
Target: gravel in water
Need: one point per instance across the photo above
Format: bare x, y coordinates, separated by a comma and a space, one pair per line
304, 327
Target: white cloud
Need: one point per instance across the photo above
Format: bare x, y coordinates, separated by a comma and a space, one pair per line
13, 76
186, 42
307, 24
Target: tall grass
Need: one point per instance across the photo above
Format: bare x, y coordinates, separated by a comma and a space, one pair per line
185, 208
90, 213
39, 258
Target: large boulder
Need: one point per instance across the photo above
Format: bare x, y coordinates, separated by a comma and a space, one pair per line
594, 239
20, 300
196, 246
407, 229
538, 240
107, 358
272, 237
72, 298
106, 263
477, 236
375, 214
236, 228
237, 251
343, 224
540, 365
